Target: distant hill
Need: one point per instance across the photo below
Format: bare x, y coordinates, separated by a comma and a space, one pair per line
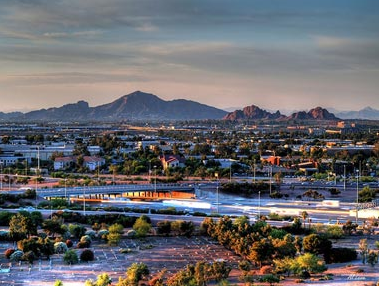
135, 106
365, 113
252, 113
317, 113
255, 113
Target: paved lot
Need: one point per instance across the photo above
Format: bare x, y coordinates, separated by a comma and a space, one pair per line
172, 253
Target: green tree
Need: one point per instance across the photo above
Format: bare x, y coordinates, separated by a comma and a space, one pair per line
58, 283
309, 262
135, 273
20, 227
316, 244
372, 258
363, 247
52, 226
304, 215
141, 227
115, 233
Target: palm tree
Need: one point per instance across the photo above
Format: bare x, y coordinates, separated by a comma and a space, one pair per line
304, 215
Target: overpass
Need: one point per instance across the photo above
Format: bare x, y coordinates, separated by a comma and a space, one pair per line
131, 191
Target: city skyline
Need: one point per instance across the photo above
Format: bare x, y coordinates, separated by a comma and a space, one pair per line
276, 54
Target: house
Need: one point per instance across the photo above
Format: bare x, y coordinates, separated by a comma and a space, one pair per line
61, 163
92, 162
172, 161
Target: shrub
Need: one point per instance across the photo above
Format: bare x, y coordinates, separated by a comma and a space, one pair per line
69, 243
16, 256
91, 233
87, 255
83, 244
60, 247
86, 238
103, 234
29, 256
131, 233
70, 257
341, 255
267, 269
9, 252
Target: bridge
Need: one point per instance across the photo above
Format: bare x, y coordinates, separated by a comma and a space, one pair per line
131, 191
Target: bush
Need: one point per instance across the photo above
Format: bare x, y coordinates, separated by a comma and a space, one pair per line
83, 244
9, 252
267, 269
131, 233
91, 233
87, 255
60, 247
29, 256
103, 234
70, 257
69, 243
16, 256
341, 255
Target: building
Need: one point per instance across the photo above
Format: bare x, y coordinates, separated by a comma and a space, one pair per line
172, 161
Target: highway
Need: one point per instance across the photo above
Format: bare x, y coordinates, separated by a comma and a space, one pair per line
210, 201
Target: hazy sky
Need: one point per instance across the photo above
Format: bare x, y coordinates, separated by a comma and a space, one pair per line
277, 54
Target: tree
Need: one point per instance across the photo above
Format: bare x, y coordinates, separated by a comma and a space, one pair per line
316, 244
164, 227
142, 227
372, 258
309, 262
52, 226
304, 215
135, 273
334, 231
114, 235
58, 283
261, 251
363, 247
20, 227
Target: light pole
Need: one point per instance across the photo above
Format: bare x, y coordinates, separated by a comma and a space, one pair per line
344, 177
270, 170
1, 174
217, 196
155, 180
230, 171
84, 200
356, 213
65, 189
259, 205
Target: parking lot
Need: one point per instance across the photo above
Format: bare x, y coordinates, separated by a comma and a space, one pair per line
172, 253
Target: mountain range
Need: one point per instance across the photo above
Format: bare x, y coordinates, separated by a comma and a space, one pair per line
255, 113
145, 106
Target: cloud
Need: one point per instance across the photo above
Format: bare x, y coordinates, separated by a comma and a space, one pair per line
78, 34
349, 53
62, 78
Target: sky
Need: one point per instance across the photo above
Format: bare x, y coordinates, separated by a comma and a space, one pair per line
276, 54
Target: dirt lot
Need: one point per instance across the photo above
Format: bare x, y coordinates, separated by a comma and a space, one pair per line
172, 253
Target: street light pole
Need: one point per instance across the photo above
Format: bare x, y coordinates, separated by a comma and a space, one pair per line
155, 180
344, 177
217, 196
270, 179
84, 200
259, 205
356, 213
1, 179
